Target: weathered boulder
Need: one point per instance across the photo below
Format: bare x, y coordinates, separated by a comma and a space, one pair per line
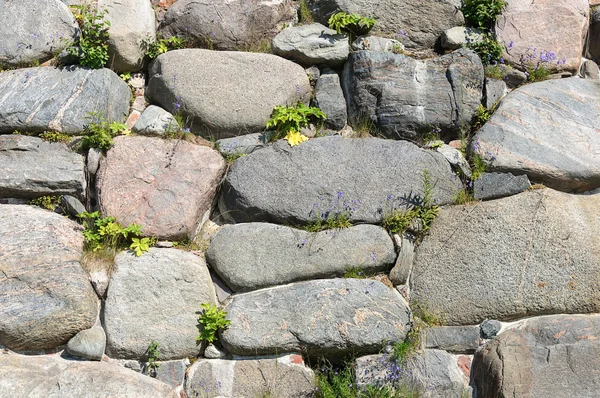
405, 97
551, 356
555, 26
32, 167
54, 377
155, 121
524, 255
132, 25
260, 186
418, 22
31, 33
88, 343
284, 376
222, 93
328, 318
228, 24
329, 97
498, 185
547, 130
60, 99
312, 44
156, 296
45, 296
240, 257
166, 186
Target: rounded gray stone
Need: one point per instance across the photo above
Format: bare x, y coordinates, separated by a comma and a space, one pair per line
88, 343
490, 328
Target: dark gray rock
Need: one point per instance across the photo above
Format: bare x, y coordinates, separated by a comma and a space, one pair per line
72, 205
240, 257
32, 167
31, 33
593, 37
329, 97
490, 328
551, 356
494, 90
155, 121
498, 185
456, 339
45, 296
405, 97
88, 343
331, 174
329, 318
60, 99
526, 134
589, 70
242, 144
520, 256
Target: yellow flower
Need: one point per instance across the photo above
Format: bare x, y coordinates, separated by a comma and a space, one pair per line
295, 138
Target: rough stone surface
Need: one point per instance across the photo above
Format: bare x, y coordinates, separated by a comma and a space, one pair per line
553, 356
240, 257
166, 186
490, 328
45, 297
494, 91
455, 158
376, 43
328, 318
32, 168
88, 343
547, 130
498, 185
33, 32
54, 377
155, 121
243, 144
559, 26
59, 99
457, 339
524, 255
224, 93
156, 296
405, 97
259, 188
459, 36
329, 97
228, 24
284, 376
131, 26
172, 372
312, 44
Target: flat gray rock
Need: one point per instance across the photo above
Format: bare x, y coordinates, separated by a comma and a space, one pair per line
498, 185
238, 253
551, 356
405, 97
242, 144
300, 184
155, 121
32, 167
88, 343
549, 131
225, 93
329, 97
45, 295
60, 99
156, 296
494, 91
524, 255
325, 318
456, 339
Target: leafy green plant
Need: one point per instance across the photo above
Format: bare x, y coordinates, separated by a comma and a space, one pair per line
482, 115
99, 133
353, 24
488, 49
47, 202
125, 76
397, 221
286, 119
153, 356
212, 319
402, 350
483, 13
161, 46
497, 71
140, 246
92, 47
55, 136
478, 166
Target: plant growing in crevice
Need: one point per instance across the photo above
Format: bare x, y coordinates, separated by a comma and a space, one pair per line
336, 213
153, 357
91, 48
212, 320
352, 24
537, 65
488, 48
304, 14
483, 13
286, 121
99, 133
48, 202
161, 46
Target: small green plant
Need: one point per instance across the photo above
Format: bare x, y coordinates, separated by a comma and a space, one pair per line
153, 357
483, 13
140, 246
488, 49
397, 221
355, 273
92, 47
232, 157
353, 24
463, 197
286, 119
336, 382
161, 46
482, 115
212, 319
55, 136
99, 133
365, 127
337, 216
403, 350
478, 166
398, 48
497, 71
48, 202
304, 14
125, 76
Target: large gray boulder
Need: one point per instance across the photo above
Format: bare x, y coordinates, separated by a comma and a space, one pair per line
419, 23
156, 296
322, 176
45, 296
60, 99
132, 25
328, 318
523, 255
547, 130
228, 24
240, 257
312, 44
551, 356
34, 32
54, 377
223, 94
166, 186
329, 97
405, 97
32, 167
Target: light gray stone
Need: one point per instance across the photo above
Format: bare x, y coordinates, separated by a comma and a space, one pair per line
240, 257
455, 158
490, 328
259, 188
45, 296
589, 70
523, 255
32, 167
222, 93
242, 144
494, 90
376, 43
329, 318
498, 185
93, 160
60, 99
400, 273
156, 296
99, 281
459, 36
155, 121
212, 352
456, 339
88, 343
329, 97
171, 372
